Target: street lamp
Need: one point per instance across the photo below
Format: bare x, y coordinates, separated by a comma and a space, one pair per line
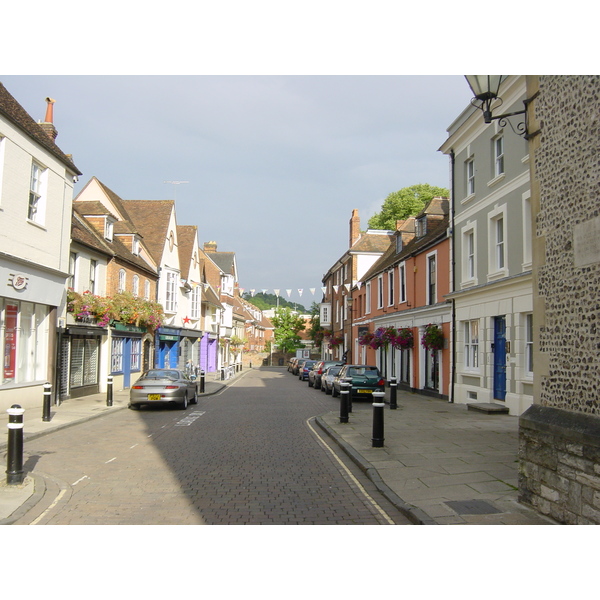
486, 88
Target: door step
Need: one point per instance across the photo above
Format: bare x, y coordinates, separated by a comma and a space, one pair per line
489, 408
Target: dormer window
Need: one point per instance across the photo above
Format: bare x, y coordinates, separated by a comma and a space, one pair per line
135, 246
421, 227
399, 244
109, 229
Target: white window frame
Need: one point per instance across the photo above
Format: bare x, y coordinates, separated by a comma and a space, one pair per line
391, 288
498, 152
171, 292
368, 297
497, 249
432, 297
471, 345
136, 284
195, 304
93, 276
147, 289
402, 282
36, 207
469, 255
380, 291
529, 345
109, 228
122, 285
399, 243
73, 262
470, 176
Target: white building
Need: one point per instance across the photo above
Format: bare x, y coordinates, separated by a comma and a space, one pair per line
36, 193
492, 281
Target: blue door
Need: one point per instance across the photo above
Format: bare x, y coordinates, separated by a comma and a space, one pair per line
500, 358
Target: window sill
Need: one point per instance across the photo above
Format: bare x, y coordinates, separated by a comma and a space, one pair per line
496, 179
467, 199
38, 225
497, 275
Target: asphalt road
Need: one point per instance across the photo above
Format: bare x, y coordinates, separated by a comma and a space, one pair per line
247, 455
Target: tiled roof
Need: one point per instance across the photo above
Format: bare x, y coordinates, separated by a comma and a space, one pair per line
186, 238
372, 242
15, 113
151, 218
84, 234
224, 260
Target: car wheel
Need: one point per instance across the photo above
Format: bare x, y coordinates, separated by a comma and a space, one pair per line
310, 383
183, 405
317, 385
333, 392
195, 397
134, 406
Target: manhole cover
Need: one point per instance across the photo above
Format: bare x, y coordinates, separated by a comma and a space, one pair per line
472, 507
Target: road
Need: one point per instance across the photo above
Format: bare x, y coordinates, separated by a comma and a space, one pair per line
250, 454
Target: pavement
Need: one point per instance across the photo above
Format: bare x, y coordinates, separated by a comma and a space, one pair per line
440, 463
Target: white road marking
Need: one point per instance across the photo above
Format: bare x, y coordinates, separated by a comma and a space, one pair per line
80, 480
56, 500
355, 481
109, 461
189, 419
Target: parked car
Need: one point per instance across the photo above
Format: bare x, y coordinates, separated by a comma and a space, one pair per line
292, 363
316, 373
328, 377
164, 386
297, 366
304, 369
366, 379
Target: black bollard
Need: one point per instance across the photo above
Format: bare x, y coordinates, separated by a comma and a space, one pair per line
109, 391
378, 406
393, 390
344, 393
202, 374
47, 401
14, 455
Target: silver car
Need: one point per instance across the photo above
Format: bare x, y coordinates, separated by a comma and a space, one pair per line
162, 386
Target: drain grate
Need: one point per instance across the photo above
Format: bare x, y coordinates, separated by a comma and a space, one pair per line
472, 507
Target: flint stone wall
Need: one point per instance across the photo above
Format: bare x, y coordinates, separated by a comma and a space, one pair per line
560, 433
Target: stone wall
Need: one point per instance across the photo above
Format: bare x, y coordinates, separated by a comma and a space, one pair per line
560, 467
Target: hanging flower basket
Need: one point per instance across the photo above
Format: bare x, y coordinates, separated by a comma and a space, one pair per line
403, 339
335, 341
365, 339
433, 338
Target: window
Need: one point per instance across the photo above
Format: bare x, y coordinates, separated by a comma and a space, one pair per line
36, 211
380, 291
499, 228
402, 281
136, 346
421, 227
471, 344
171, 295
391, 288
399, 244
122, 281
368, 298
72, 270
470, 166
136, 285
529, 344
498, 156
147, 289
93, 274
116, 357
431, 279
469, 255
195, 308
135, 246
108, 229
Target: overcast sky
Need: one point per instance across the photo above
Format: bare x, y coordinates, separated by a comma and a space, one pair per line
274, 164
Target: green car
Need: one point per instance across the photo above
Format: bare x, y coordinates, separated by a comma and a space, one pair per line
366, 379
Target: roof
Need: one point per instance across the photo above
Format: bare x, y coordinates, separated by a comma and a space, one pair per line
152, 218
224, 260
15, 113
187, 236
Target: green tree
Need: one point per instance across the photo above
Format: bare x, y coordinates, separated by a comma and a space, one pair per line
407, 202
287, 327
315, 330
266, 301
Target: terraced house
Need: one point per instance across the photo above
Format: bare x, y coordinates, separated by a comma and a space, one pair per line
36, 190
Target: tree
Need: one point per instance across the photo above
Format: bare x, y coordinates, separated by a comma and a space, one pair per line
315, 331
287, 326
266, 301
407, 202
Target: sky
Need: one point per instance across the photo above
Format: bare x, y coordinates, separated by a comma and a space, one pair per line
273, 165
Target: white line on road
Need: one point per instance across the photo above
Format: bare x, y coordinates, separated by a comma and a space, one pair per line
108, 461
80, 480
356, 482
56, 500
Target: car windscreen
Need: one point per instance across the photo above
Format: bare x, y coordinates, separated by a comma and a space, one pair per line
163, 375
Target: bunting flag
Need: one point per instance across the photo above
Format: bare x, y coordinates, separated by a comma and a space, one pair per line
242, 291
336, 288
252, 293
300, 293
276, 292
323, 289
347, 286
264, 291
312, 291
359, 284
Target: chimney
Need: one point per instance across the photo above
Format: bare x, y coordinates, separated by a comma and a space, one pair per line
48, 124
210, 246
354, 227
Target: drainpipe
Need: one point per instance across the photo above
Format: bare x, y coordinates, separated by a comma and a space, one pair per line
453, 259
